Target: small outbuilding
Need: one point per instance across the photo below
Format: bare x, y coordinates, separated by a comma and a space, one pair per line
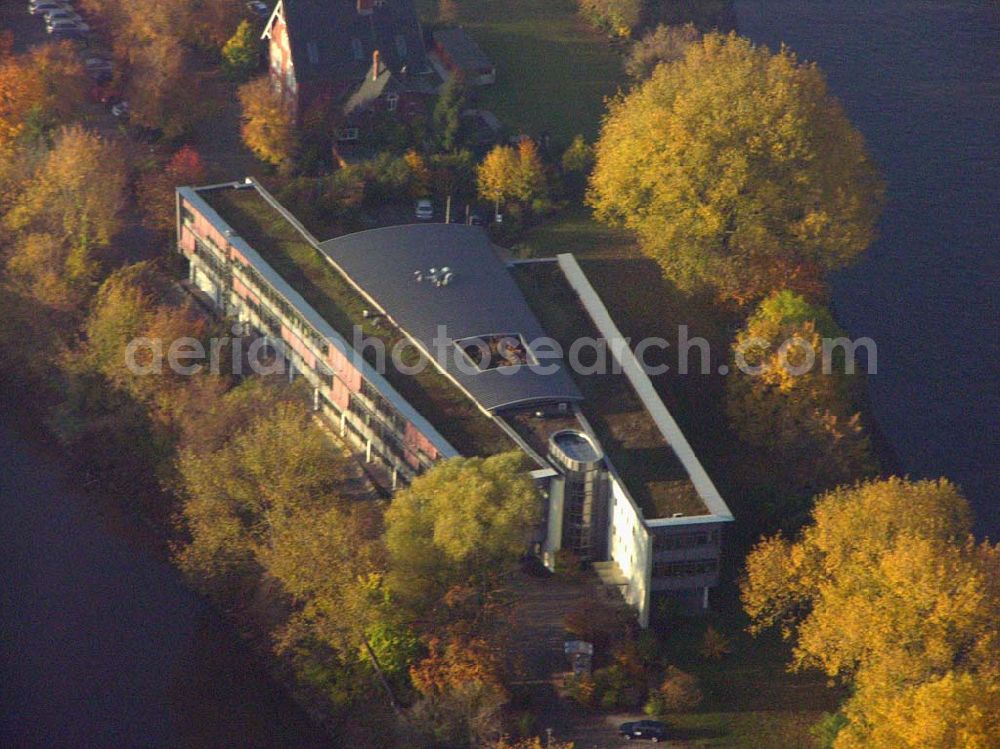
458, 53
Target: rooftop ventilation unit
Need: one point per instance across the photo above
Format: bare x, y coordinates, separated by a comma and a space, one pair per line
437, 276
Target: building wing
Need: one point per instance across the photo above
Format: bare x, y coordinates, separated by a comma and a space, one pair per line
474, 323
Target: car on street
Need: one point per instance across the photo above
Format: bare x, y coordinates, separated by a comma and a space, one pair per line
424, 210
652, 730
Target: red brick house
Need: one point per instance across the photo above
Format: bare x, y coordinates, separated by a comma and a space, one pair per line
361, 55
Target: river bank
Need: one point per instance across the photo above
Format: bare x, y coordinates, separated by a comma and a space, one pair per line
103, 643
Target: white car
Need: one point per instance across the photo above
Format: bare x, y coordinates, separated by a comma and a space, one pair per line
45, 6
424, 210
67, 27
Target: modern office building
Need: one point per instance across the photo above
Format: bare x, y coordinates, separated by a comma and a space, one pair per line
420, 344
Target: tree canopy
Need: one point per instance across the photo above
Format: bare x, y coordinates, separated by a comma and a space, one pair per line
466, 518
268, 128
789, 395
886, 589
737, 170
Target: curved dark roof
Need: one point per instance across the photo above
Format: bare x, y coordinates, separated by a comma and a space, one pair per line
482, 299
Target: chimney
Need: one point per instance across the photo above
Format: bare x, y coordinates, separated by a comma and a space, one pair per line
365, 7
375, 65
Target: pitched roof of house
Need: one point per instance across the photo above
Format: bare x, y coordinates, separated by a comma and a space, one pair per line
462, 49
481, 302
374, 85
330, 39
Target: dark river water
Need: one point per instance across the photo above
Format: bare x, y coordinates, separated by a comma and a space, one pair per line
921, 80
101, 645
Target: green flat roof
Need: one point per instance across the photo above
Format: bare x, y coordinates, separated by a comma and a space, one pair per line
652, 473
283, 247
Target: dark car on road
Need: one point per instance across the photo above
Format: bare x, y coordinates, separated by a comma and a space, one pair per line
652, 730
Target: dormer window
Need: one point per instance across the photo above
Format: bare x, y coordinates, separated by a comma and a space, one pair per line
392, 101
357, 49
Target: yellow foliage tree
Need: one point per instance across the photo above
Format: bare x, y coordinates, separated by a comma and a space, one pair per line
268, 129
885, 589
737, 170
496, 177
76, 194
792, 400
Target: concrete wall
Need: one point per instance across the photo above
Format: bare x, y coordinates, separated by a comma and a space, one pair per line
629, 546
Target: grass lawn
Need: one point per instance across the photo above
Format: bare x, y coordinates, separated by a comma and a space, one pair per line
553, 70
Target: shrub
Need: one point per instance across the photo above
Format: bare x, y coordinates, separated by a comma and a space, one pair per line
715, 645
615, 17
679, 691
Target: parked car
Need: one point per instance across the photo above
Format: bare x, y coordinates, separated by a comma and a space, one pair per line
653, 730
44, 6
120, 109
70, 28
424, 210
99, 69
62, 14
477, 219
258, 8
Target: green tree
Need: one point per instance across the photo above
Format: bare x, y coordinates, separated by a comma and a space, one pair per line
793, 400
615, 17
467, 519
447, 116
241, 54
886, 590
737, 170
578, 157
239, 498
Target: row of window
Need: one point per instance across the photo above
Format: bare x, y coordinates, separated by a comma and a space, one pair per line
285, 308
687, 568
667, 542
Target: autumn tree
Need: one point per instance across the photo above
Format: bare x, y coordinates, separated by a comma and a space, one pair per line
241, 54
791, 393
530, 183
507, 173
41, 265
240, 498
678, 692
156, 189
467, 519
268, 128
75, 196
39, 90
661, 44
737, 170
885, 589
496, 177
